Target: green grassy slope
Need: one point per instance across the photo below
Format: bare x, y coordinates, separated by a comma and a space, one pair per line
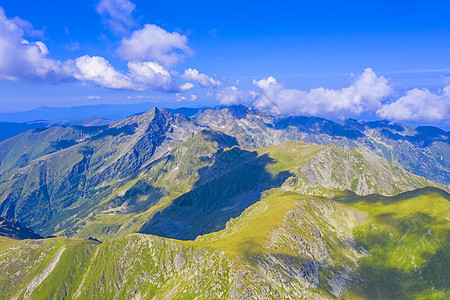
199, 185
286, 245
408, 243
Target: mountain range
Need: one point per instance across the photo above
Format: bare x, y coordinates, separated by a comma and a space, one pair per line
226, 202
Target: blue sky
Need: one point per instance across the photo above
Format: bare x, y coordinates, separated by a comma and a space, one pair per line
374, 59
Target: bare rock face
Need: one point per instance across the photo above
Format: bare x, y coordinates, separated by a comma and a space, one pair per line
353, 169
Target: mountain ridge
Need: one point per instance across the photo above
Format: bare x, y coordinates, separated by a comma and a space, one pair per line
190, 207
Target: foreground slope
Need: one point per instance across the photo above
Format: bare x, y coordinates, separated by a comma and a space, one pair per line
285, 246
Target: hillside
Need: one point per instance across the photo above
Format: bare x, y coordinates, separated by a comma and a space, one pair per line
152, 173
287, 245
51, 174
163, 206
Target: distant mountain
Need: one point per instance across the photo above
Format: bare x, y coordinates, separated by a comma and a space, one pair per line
422, 150
10, 129
107, 111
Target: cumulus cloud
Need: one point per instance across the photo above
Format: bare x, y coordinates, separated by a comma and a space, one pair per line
117, 15
418, 105
99, 71
153, 43
202, 79
365, 94
180, 98
141, 75
26, 61
266, 84
232, 95
153, 75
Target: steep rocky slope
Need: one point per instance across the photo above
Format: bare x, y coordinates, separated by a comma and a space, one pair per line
353, 169
49, 175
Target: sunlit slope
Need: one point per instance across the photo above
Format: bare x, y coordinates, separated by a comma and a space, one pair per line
165, 175
408, 243
199, 185
287, 245
48, 265
354, 169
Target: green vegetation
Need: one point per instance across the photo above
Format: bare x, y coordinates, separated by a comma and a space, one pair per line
187, 212
246, 235
408, 242
383, 247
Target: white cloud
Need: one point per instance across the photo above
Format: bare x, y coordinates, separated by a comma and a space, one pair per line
365, 94
232, 95
180, 98
93, 97
153, 75
194, 97
154, 43
265, 84
26, 61
27, 27
117, 15
99, 71
418, 105
141, 75
202, 79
